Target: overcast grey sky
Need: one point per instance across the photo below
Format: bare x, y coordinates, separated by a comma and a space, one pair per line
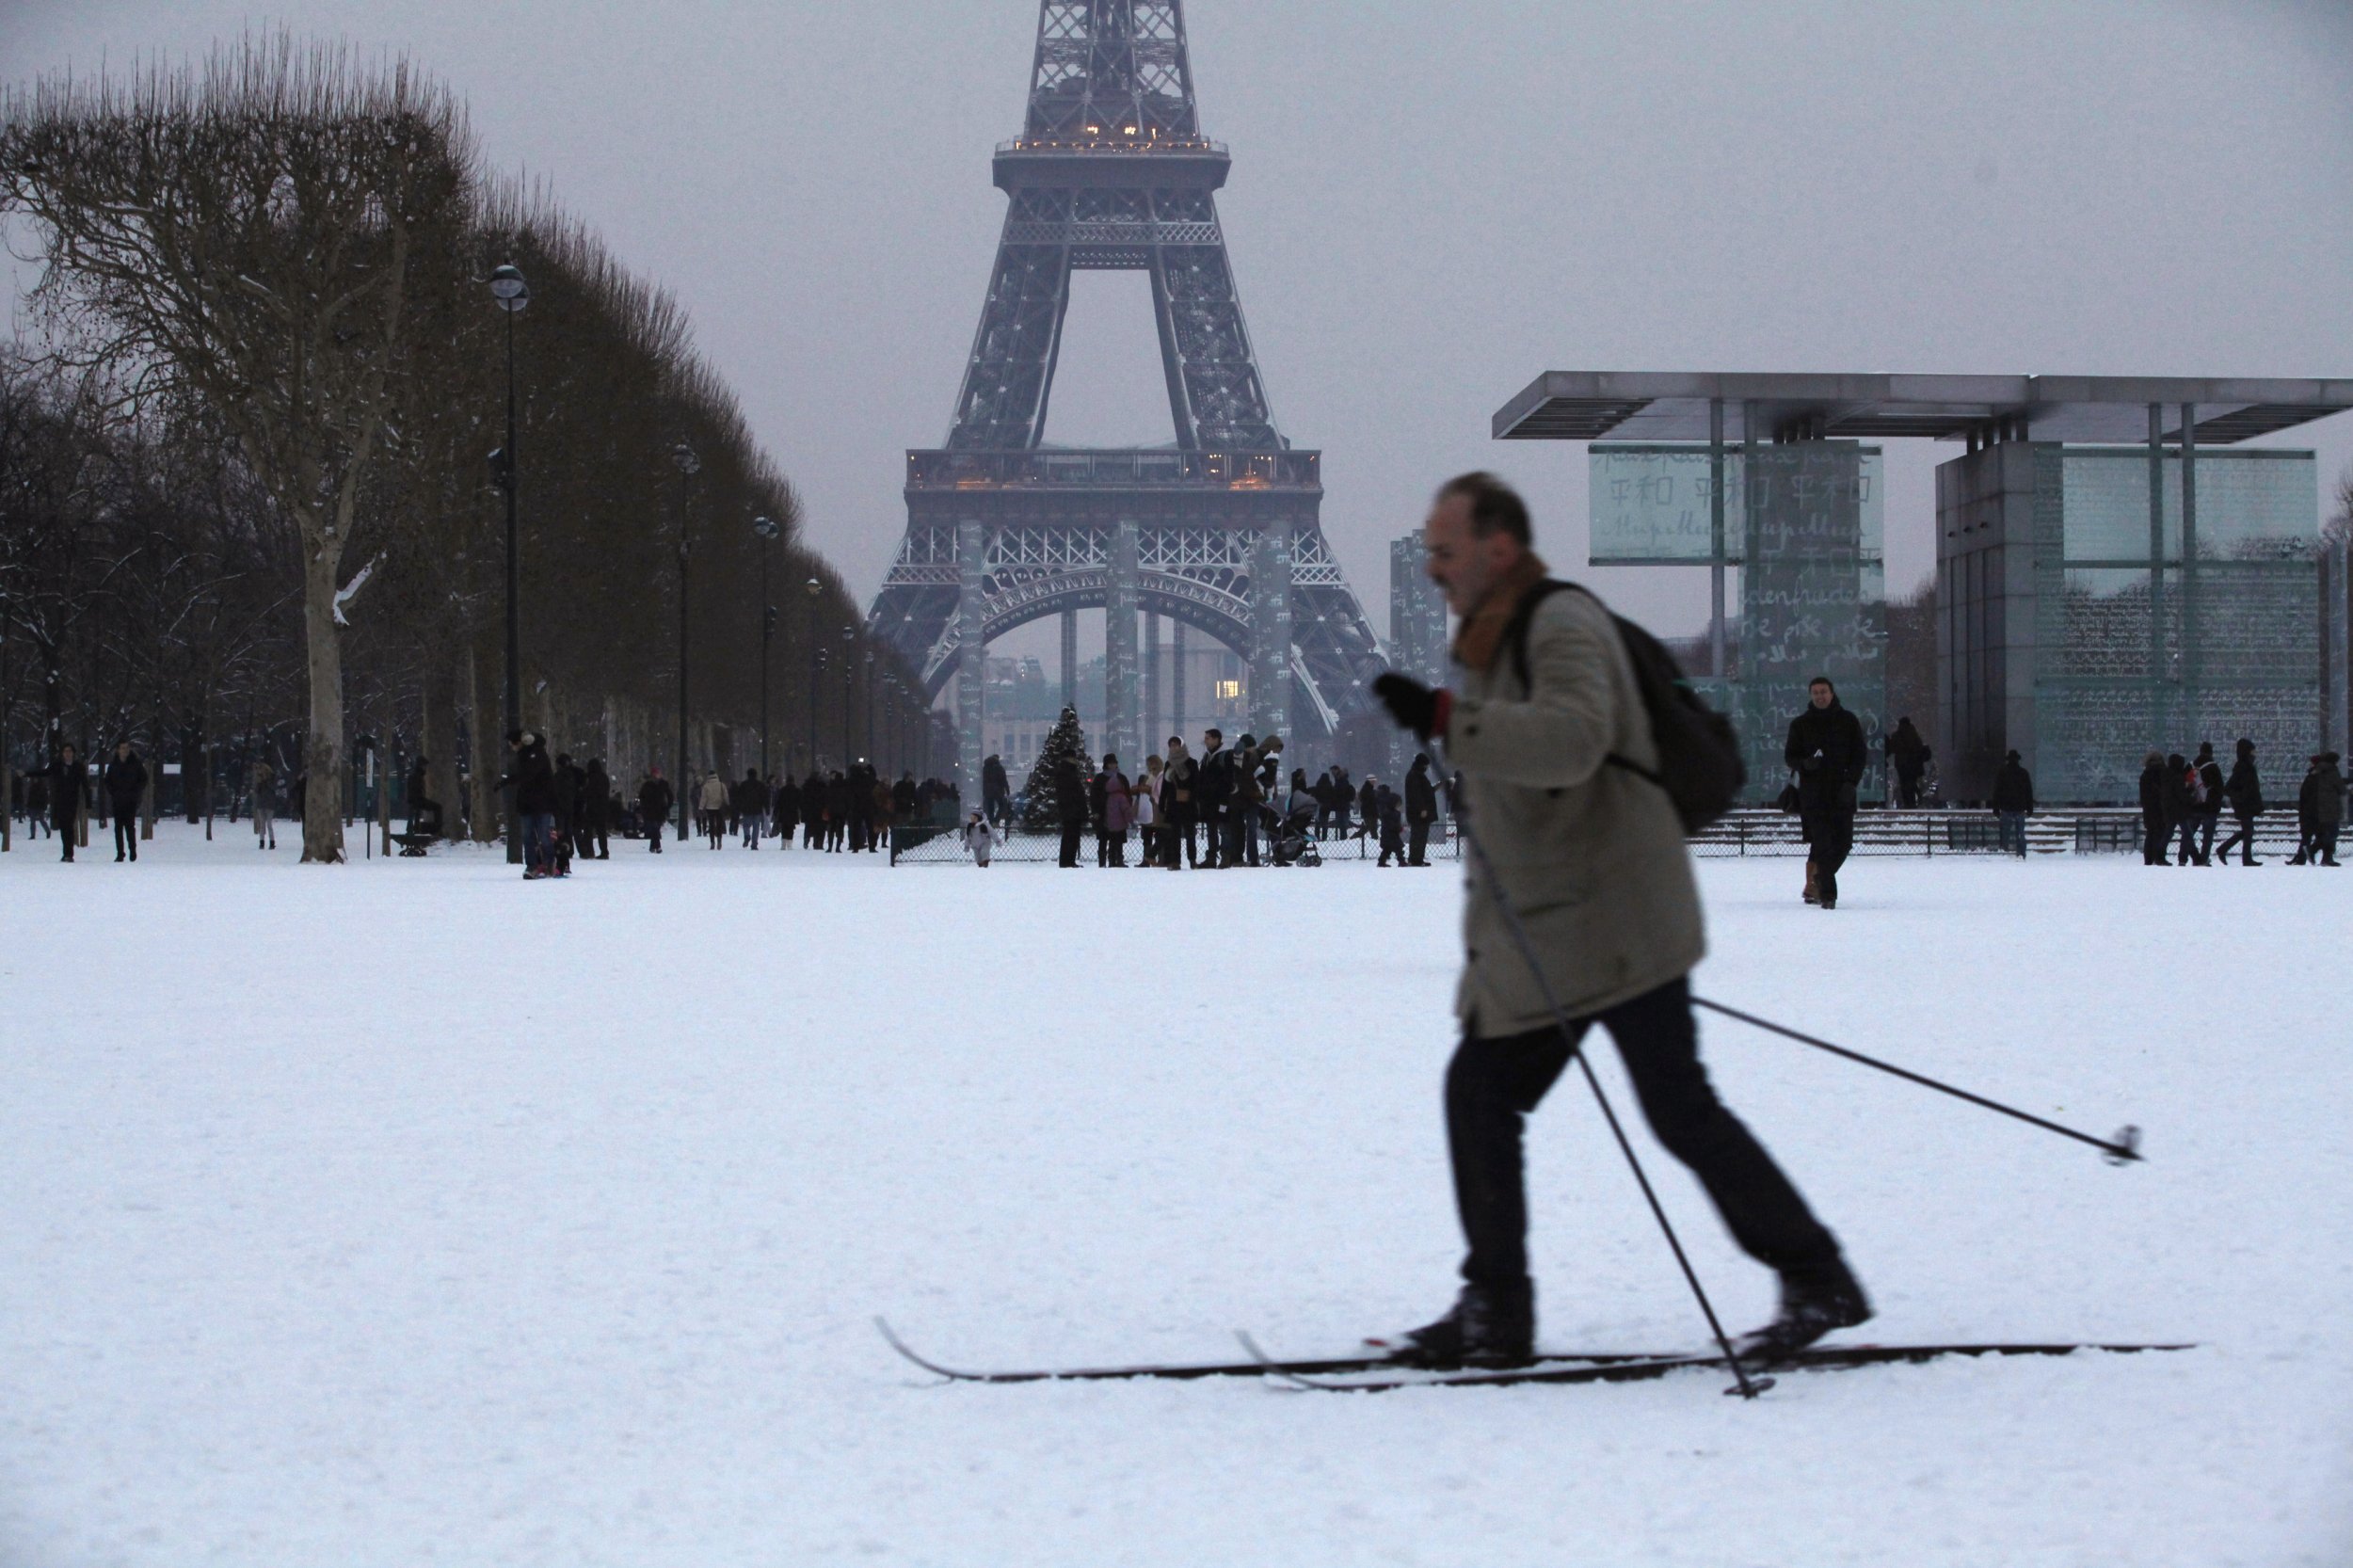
1431, 203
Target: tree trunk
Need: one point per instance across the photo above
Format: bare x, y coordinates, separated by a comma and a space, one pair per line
488, 752
439, 740
323, 746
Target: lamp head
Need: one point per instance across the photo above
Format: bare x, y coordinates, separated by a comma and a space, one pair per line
508, 288
683, 456
765, 527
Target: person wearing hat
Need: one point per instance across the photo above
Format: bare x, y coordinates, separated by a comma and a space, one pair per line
2013, 802
980, 838
2245, 792
2153, 834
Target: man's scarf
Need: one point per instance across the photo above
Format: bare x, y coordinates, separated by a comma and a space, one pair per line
1481, 635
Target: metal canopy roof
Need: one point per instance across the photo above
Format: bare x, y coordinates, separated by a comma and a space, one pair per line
1587, 406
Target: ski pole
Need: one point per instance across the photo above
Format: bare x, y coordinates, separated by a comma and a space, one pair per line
2122, 1149
1747, 1388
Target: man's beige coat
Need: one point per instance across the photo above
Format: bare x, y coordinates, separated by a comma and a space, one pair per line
1590, 855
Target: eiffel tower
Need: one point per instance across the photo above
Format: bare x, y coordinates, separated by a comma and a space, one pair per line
1219, 531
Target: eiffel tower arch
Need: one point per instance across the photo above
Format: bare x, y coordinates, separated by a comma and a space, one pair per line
1221, 531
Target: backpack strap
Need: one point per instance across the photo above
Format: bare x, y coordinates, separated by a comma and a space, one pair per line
1515, 631
1515, 637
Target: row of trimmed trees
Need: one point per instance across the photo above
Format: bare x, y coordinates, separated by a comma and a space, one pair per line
245, 471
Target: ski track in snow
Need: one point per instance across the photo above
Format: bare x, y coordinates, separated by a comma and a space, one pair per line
407, 1213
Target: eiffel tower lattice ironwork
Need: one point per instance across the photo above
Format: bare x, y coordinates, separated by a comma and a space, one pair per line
1219, 531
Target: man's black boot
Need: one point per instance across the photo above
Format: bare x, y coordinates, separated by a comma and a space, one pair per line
1485, 1328
1811, 1306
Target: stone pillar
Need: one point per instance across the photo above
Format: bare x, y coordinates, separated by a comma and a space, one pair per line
1270, 632
1119, 650
970, 673
1154, 732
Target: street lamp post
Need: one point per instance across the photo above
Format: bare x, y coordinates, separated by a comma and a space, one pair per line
849, 690
875, 752
683, 456
816, 656
511, 294
767, 530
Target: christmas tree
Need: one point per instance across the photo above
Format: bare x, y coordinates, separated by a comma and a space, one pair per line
1067, 742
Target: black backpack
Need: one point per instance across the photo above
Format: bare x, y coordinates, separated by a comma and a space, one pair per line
1699, 752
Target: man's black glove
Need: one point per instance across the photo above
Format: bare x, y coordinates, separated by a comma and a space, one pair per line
1414, 706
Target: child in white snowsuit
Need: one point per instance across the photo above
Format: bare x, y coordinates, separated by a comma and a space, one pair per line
979, 838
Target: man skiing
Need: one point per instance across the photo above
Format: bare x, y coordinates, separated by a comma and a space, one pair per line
1595, 855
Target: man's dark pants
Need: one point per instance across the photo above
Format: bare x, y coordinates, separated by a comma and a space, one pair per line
126, 831
1491, 1085
2209, 818
1417, 843
1829, 834
1070, 831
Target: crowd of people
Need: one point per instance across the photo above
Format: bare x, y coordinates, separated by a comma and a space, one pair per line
2182, 801
1223, 808
569, 811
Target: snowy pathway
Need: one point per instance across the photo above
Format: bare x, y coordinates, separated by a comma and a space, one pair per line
407, 1213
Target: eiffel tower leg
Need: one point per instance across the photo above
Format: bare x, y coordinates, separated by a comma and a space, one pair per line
1270, 632
1071, 658
1120, 647
1177, 682
1152, 732
970, 672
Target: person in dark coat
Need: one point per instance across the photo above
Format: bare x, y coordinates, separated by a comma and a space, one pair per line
1421, 808
1825, 750
69, 787
1215, 788
654, 800
1908, 758
2013, 803
1367, 807
813, 809
2181, 806
2244, 792
2208, 791
2322, 799
534, 778
564, 841
1388, 813
750, 804
126, 787
1070, 808
996, 791
1180, 806
1343, 801
424, 813
837, 811
34, 785
784, 811
2153, 820
595, 811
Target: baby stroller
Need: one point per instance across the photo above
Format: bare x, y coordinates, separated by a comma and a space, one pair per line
1295, 841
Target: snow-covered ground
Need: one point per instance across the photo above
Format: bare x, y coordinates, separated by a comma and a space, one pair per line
408, 1213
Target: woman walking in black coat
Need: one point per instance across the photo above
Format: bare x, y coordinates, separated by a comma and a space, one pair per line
2153, 834
2245, 793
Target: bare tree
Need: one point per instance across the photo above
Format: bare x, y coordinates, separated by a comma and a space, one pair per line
247, 236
